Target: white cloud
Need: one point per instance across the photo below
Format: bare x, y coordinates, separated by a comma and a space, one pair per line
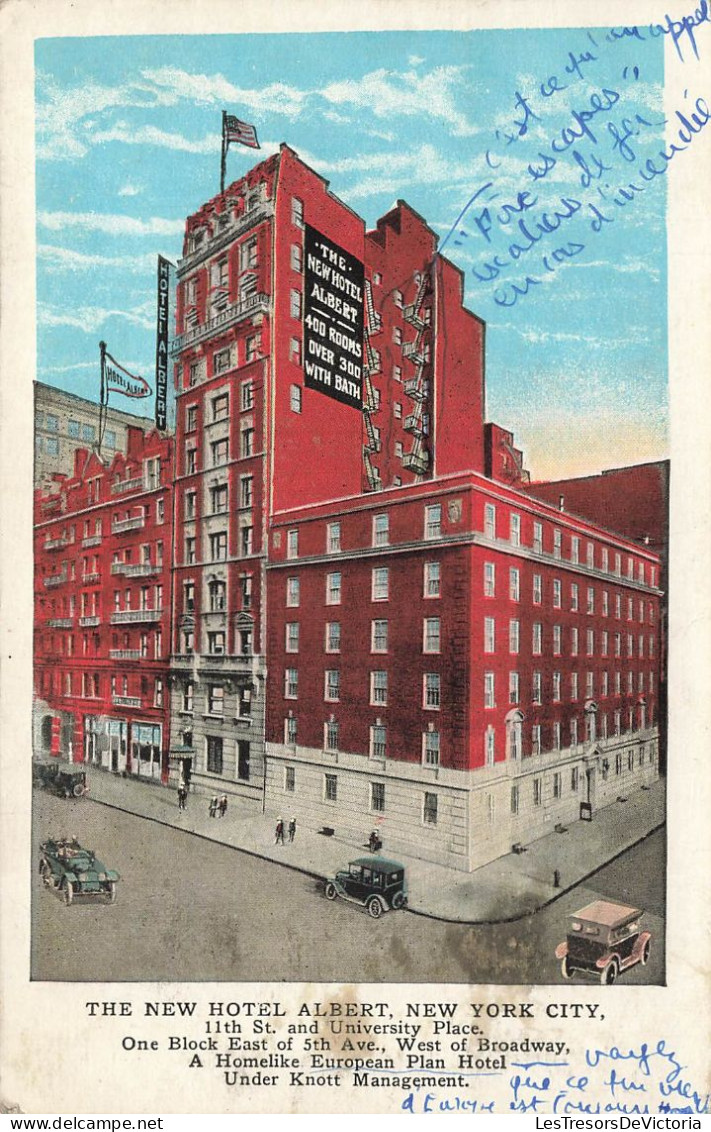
110, 223
64, 259
215, 90
129, 191
91, 319
390, 93
151, 135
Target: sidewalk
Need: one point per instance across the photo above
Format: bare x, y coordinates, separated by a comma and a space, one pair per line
506, 889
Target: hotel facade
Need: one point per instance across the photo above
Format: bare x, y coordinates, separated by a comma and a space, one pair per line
372, 621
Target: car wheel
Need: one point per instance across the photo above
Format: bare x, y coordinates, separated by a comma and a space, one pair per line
331, 892
375, 908
398, 900
111, 891
565, 969
78, 790
610, 973
644, 957
46, 874
68, 892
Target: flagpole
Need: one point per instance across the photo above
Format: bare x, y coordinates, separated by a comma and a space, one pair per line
223, 162
103, 397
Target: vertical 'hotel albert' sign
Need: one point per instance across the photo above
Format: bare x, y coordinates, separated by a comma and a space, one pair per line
333, 320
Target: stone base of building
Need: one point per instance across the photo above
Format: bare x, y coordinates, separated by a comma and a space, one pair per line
459, 819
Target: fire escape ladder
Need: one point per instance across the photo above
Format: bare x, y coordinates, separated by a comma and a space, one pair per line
375, 323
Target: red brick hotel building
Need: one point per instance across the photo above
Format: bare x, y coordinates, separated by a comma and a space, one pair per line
372, 621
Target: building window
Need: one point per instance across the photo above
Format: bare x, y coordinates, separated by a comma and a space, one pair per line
218, 546
514, 799
296, 257
295, 396
331, 735
573, 685
489, 746
246, 491
574, 642
188, 691
536, 739
591, 600
292, 544
292, 636
537, 688
514, 636
333, 589
538, 537
291, 683
489, 700
537, 643
220, 451
489, 579
380, 583
217, 596
189, 504
432, 579
575, 550
514, 584
189, 550
431, 635
221, 407
377, 797
515, 529
292, 591
333, 538
332, 685
490, 520
221, 361
514, 688
429, 809
574, 597
433, 521
290, 731
557, 543
333, 636
246, 441
297, 212
557, 593
537, 791
431, 691
214, 754
379, 636
379, 689
489, 634
378, 741
295, 303
381, 530
537, 589
218, 499
215, 699
590, 641
430, 748
216, 643
397, 335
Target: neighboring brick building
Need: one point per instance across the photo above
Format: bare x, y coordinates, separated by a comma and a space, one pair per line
103, 543
65, 422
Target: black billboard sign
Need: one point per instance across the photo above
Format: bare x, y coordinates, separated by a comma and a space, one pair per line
162, 342
333, 320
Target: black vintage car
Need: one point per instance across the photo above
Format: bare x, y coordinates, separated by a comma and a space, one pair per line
67, 780
603, 940
70, 870
375, 883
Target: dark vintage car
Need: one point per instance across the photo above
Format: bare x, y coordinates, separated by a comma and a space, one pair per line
375, 883
603, 940
70, 870
68, 780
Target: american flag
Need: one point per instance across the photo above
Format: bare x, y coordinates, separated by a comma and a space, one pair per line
233, 130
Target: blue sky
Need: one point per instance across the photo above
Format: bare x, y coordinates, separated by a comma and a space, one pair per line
128, 144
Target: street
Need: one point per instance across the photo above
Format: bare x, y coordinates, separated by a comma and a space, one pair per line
192, 910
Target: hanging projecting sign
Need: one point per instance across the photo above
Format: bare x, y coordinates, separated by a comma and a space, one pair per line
162, 342
333, 320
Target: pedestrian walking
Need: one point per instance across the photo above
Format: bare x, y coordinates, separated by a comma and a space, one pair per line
279, 832
182, 795
292, 829
223, 805
214, 803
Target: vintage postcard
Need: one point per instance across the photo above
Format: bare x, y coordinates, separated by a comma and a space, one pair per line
355, 514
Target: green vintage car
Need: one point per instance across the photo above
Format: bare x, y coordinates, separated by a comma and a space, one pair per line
70, 870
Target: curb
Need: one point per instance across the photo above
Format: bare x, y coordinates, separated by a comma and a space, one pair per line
408, 908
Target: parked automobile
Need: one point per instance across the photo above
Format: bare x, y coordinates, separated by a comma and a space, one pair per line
603, 940
70, 870
374, 883
68, 780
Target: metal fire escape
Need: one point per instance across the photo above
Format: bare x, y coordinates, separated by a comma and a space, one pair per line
417, 388
371, 403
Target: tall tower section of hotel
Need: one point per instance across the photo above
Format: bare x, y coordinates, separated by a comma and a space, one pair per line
260, 430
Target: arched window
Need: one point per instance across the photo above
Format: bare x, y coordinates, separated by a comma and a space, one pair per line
514, 729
